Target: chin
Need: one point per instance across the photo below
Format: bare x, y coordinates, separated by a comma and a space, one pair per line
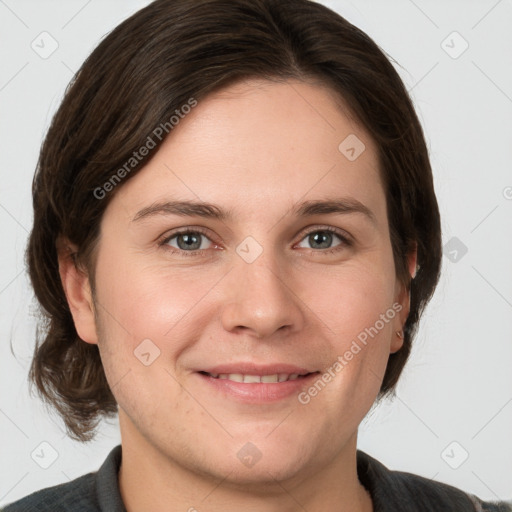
263, 462
264, 477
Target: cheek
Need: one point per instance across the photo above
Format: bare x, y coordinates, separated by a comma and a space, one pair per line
349, 299
356, 308
150, 301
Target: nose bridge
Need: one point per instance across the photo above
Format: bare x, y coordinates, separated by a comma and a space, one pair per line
259, 297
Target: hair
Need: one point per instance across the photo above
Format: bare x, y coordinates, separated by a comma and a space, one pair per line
136, 79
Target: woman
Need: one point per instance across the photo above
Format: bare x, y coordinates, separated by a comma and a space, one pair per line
235, 235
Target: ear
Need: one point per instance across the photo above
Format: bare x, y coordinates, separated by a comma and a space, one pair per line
402, 303
75, 282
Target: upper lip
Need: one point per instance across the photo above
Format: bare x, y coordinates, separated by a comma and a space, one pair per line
248, 368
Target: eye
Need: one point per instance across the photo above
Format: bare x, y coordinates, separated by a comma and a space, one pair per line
187, 241
195, 242
324, 237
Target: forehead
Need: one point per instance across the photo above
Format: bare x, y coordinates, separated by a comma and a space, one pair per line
261, 146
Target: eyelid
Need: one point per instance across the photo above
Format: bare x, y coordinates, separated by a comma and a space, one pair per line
164, 239
344, 235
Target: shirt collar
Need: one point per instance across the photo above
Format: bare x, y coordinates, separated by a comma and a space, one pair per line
107, 483
388, 490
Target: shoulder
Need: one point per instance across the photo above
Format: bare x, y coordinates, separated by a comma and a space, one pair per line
94, 492
402, 491
443, 495
77, 495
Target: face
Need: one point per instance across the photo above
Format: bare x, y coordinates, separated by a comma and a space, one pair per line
295, 302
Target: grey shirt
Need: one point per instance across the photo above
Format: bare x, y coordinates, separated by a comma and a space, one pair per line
391, 491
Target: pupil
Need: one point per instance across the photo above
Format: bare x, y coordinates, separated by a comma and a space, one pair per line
188, 242
319, 235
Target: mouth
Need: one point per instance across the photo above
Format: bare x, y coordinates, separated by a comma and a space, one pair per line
256, 385
258, 379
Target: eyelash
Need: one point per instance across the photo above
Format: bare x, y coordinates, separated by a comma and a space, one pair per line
345, 241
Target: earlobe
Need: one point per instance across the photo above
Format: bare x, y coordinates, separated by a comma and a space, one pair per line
412, 261
397, 342
76, 284
404, 302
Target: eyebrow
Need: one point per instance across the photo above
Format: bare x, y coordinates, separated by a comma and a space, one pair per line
211, 211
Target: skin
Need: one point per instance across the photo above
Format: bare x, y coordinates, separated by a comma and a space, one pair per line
255, 148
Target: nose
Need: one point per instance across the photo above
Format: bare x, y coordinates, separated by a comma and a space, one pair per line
261, 300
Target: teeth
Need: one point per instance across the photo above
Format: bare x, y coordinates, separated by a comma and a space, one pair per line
251, 379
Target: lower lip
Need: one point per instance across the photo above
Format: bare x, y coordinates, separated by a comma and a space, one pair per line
259, 392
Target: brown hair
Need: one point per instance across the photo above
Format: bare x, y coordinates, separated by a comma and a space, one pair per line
139, 75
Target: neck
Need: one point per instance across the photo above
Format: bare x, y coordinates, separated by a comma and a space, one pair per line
151, 480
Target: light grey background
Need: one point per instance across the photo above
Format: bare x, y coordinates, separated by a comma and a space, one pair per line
457, 387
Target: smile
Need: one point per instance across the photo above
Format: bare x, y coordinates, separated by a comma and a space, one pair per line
253, 388
251, 379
